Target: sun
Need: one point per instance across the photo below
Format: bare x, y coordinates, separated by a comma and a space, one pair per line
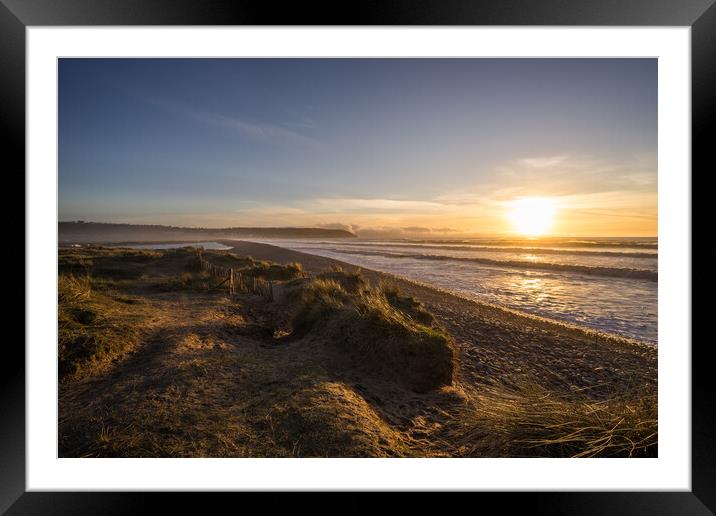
532, 216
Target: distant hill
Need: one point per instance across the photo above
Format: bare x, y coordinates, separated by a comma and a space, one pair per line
97, 232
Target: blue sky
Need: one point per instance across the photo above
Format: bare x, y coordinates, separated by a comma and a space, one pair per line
442, 145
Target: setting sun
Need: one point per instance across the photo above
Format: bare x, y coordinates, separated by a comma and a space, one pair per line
532, 215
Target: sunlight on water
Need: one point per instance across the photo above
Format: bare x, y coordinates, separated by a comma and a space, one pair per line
613, 287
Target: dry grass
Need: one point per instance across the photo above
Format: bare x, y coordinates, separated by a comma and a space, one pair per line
102, 313
351, 282
378, 335
329, 419
74, 289
94, 327
531, 421
107, 262
199, 280
406, 304
274, 271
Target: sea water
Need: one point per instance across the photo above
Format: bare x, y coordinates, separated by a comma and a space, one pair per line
605, 284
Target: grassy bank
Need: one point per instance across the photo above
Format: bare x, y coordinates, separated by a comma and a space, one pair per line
374, 328
98, 320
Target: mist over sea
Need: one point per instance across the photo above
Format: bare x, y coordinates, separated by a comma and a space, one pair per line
608, 284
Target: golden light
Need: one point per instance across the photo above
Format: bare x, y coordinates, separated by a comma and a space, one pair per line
532, 216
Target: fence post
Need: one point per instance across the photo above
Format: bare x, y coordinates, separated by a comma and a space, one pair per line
231, 282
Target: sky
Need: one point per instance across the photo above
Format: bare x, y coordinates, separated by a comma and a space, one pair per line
391, 147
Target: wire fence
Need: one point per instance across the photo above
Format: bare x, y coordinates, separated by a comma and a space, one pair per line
237, 282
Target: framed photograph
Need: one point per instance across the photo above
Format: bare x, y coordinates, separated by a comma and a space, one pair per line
435, 249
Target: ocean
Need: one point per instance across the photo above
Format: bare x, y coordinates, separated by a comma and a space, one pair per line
607, 284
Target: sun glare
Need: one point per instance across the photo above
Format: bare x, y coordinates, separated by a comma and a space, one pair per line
532, 216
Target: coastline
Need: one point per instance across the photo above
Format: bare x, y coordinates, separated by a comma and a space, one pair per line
502, 341
184, 369
317, 263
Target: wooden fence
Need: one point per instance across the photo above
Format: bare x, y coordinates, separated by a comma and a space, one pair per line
237, 282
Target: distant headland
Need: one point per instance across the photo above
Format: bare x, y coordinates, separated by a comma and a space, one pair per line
84, 232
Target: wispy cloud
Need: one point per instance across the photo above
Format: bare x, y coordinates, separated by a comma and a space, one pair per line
258, 131
569, 175
542, 162
347, 205
304, 122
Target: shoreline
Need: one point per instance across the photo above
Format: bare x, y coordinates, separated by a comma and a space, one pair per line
192, 371
316, 263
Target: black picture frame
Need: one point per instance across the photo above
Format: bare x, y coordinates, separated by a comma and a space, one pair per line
16, 15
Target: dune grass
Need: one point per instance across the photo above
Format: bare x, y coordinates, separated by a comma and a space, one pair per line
188, 280
407, 304
94, 326
100, 318
100, 261
102, 314
360, 321
250, 267
274, 272
329, 419
350, 282
528, 420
